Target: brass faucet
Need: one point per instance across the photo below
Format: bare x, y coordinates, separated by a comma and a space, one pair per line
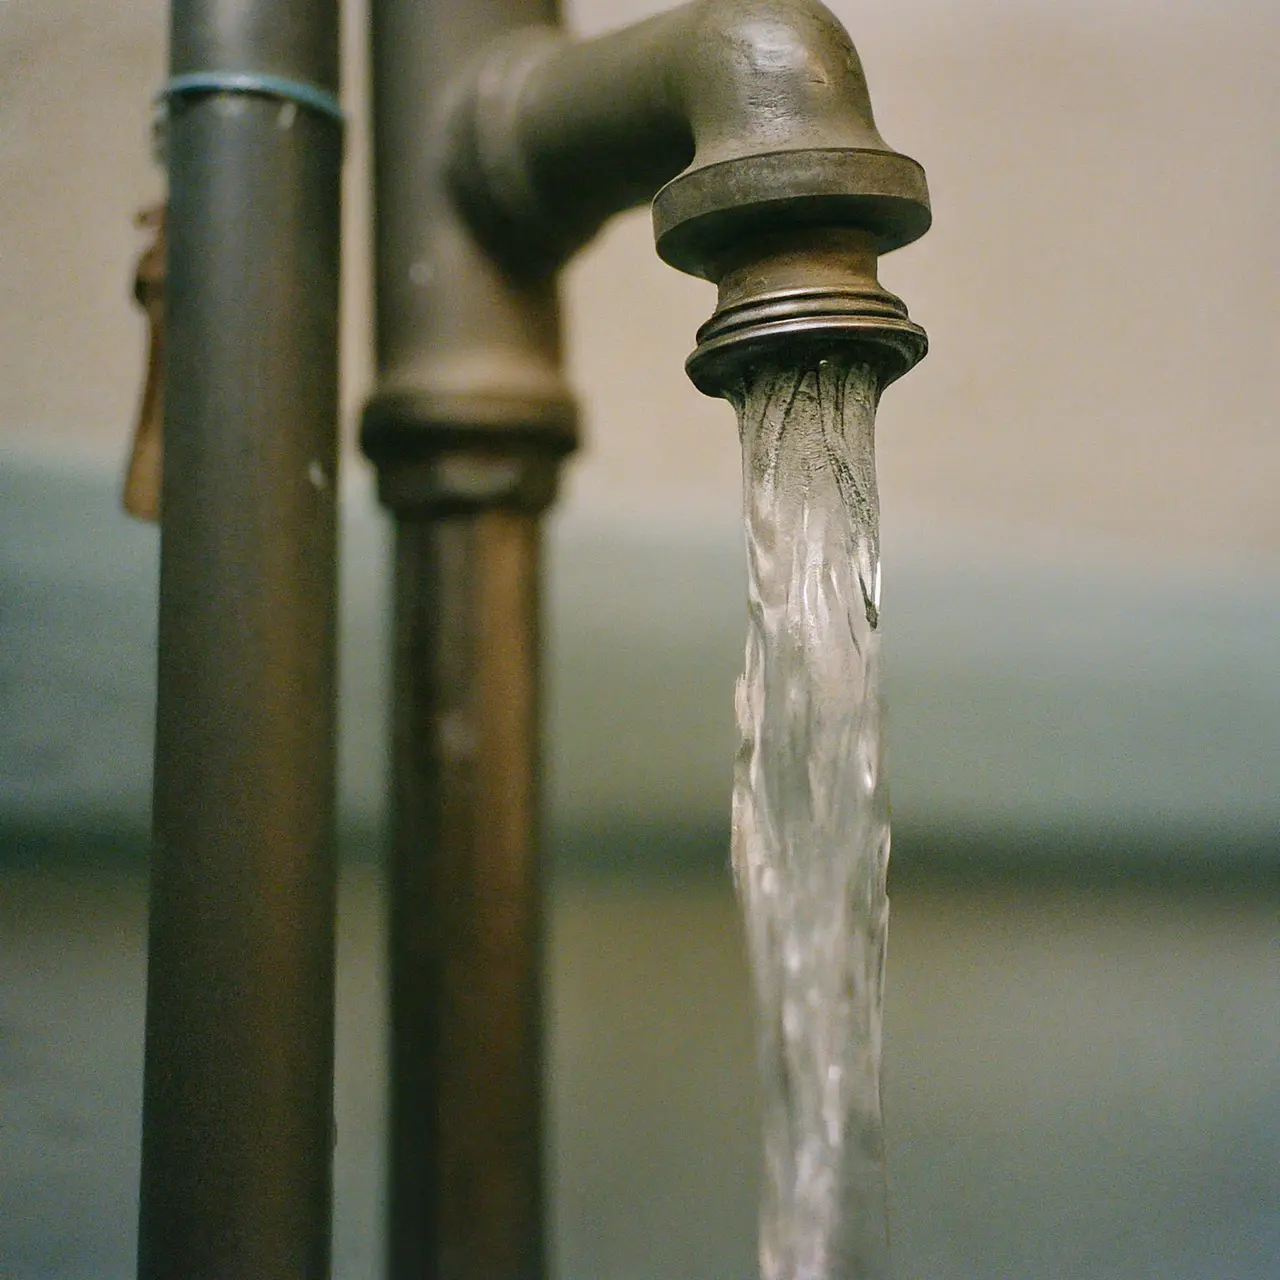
500, 148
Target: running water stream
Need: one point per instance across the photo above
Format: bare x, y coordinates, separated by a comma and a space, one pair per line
810, 814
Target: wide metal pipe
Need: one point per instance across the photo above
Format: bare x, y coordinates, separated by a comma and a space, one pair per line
470, 419
461, 342
237, 1116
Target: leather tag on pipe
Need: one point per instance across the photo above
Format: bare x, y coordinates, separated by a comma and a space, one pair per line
146, 455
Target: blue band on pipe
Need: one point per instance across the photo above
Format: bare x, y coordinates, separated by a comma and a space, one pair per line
299, 91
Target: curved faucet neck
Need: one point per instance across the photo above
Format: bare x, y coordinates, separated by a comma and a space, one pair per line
735, 114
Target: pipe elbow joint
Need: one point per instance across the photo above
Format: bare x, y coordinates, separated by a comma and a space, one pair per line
733, 116
785, 137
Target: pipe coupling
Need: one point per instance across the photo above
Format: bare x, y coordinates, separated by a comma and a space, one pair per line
810, 286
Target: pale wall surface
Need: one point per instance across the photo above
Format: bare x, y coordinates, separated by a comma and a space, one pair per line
1077, 702
1058, 1099
1101, 285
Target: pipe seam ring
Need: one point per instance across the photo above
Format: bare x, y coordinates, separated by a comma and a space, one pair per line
300, 92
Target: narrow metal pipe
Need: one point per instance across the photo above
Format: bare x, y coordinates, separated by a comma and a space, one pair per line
237, 1114
466, 1152
467, 427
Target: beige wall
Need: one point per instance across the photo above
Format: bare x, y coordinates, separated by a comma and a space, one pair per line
1101, 287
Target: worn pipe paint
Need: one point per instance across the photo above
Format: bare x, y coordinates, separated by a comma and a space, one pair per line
237, 1114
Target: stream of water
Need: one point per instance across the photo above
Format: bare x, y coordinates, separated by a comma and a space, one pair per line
810, 813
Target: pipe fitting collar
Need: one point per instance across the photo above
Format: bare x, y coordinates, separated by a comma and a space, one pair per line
803, 288
704, 211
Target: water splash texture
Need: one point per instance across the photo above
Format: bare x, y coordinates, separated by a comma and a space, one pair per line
810, 813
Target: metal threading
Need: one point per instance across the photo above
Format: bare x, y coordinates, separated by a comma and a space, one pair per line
814, 287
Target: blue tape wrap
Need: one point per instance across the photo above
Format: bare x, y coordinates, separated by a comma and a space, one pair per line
307, 95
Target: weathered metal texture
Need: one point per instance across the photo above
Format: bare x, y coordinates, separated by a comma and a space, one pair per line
814, 286
749, 124
737, 115
466, 1196
466, 351
237, 1116
468, 424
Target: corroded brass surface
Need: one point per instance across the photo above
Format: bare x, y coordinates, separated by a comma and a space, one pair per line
748, 123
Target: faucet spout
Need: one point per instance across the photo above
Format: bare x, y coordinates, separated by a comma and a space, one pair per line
749, 125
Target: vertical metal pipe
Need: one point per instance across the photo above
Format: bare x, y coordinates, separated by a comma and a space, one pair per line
237, 1116
460, 342
468, 425
466, 1176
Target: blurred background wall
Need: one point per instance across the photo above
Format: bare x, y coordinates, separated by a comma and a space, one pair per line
1084, 626
1100, 283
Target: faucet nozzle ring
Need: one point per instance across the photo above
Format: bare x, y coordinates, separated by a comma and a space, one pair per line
802, 287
